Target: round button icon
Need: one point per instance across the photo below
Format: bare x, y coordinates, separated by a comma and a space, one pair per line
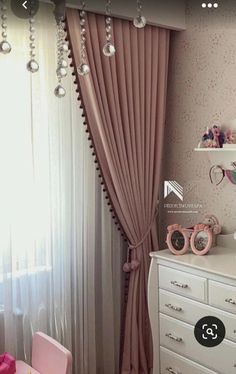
209, 331
24, 8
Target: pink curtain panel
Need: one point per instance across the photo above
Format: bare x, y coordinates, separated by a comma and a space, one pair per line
124, 99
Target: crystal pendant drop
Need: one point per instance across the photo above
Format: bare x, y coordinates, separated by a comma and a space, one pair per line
64, 47
59, 91
139, 22
5, 47
63, 63
83, 69
33, 66
61, 72
109, 49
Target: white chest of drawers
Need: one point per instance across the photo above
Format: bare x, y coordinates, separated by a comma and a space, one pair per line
182, 290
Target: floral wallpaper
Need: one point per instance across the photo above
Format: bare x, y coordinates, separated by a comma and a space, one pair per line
201, 92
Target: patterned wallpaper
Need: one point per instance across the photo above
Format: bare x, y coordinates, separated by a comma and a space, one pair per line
201, 92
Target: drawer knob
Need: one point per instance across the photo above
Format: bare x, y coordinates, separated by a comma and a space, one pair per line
175, 308
177, 284
175, 338
172, 371
230, 301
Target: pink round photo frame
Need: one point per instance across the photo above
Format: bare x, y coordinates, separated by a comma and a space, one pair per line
208, 231
189, 236
184, 232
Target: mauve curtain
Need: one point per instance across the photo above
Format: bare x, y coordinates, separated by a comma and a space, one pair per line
124, 103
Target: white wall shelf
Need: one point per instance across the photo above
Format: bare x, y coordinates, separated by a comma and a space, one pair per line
212, 150
219, 156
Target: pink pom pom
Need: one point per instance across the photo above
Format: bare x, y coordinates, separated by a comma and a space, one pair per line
134, 264
127, 267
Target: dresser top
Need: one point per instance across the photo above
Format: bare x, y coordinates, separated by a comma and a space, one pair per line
219, 260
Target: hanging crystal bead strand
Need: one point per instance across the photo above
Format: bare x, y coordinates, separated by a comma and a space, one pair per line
5, 46
83, 68
140, 20
62, 47
108, 49
32, 65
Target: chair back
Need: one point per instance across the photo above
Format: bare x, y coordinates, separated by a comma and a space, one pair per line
49, 356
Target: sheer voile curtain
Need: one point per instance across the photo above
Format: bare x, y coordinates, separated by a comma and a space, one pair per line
124, 100
60, 255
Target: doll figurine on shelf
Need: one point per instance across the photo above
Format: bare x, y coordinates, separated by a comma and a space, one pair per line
215, 137
229, 138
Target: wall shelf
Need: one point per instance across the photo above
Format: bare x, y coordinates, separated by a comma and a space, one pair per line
212, 150
219, 156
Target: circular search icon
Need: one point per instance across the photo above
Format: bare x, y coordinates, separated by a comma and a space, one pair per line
209, 331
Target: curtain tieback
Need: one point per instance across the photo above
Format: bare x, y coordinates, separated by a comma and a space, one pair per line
134, 264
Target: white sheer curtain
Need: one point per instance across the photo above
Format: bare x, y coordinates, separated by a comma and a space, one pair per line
60, 255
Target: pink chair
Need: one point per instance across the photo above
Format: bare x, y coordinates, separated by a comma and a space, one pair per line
48, 357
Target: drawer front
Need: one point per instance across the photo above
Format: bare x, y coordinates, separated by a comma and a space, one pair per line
171, 363
179, 337
182, 283
222, 296
191, 311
